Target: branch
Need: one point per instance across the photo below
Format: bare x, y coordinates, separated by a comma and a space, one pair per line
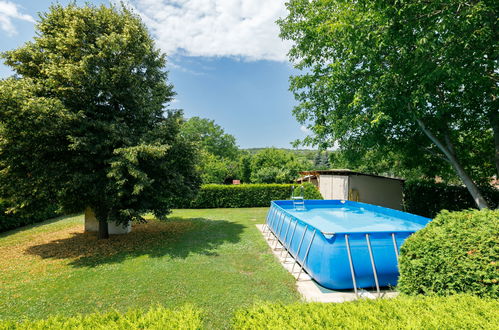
436, 154
435, 140
449, 144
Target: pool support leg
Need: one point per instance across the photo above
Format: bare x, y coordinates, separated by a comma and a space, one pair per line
291, 242
269, 223
281, 214
278, 231
373, 264
299, 248
352, 270
272, 221
285, 238
306, 254
269, 216
395, 246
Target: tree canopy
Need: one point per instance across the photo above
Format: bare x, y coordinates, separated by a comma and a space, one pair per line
416, 81
218, 152
83, 123
271, 165
210, 137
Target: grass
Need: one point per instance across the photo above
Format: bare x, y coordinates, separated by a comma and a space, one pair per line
215, 260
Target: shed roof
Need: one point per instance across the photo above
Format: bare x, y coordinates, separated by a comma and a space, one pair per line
344, 172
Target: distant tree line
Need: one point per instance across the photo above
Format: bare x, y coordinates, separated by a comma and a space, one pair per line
221, 161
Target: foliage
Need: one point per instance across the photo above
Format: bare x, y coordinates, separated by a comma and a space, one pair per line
245, 195
389, 163
213, 259
273, 165
214, 169
457, 312
273, 174
456, 253
210, 137
321, 161
428, 198
414, 80
155, 318
25, 217
219, 154
307, 190
83, 123
245, 168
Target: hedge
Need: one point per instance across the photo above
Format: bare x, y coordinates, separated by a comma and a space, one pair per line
244, 195
457, 312
458, 252
154, 318
11, 221
429, 198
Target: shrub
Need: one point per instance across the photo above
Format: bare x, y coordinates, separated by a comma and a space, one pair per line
457, 312
456, 252
428, 198
244, 195
154, 318
26, 217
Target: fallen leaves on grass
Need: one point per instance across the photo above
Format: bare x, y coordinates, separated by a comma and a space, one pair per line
144, 238
72, 244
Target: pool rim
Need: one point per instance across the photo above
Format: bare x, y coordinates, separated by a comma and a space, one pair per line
371, 207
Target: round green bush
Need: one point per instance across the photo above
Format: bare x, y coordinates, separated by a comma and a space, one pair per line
457, 252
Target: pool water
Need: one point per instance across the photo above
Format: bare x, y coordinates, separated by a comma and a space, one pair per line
341, 219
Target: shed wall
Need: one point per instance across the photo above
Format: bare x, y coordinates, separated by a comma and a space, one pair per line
378, 191
333, 186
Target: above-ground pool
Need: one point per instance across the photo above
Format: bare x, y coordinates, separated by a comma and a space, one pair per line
343, 244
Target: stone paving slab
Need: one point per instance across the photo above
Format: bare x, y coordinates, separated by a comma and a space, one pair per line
308, 288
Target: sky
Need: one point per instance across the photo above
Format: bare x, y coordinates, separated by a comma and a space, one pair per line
225, 60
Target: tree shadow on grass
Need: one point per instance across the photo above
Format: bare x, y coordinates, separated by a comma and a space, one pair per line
176, 238
35, 224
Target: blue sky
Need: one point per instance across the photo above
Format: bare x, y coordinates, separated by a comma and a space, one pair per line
226, 60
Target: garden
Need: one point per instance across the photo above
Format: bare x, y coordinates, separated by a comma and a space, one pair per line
85, 126
211, 268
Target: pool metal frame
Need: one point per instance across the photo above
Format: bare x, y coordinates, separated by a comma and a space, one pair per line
271, 218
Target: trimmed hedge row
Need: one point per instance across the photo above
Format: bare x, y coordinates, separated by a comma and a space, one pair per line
457, 252
154, 318
13, 221
244, 195
428, 198
456, 312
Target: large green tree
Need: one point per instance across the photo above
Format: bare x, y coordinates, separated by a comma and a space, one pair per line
210, 137
218, 152
83, 122
272, 165
414, 78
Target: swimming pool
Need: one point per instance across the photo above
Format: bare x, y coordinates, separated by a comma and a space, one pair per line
343, 244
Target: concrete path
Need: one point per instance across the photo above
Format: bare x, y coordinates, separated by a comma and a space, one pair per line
308, 288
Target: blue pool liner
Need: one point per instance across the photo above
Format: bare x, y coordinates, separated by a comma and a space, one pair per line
330, 239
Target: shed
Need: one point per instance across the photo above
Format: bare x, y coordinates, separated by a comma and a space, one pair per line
345, 184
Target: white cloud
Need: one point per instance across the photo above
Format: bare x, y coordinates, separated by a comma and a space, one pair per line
233, 28
8, 12
305, 130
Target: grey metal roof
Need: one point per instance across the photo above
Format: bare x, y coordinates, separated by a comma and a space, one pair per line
345, 172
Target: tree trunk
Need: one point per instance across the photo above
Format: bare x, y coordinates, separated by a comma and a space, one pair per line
451, 157
103, 229
494, 122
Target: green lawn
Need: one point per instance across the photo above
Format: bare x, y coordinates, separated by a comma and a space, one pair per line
213, 259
